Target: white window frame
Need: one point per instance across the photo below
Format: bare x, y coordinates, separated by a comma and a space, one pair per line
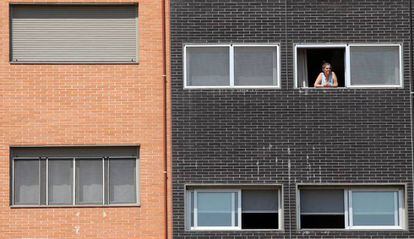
74, 176
233, 227
347, 66
398, 213
348, 212
231, 66
239, 190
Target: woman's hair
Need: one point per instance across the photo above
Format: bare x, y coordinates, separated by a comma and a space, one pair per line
325, 65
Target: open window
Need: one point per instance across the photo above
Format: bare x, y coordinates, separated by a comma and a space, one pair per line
311, 58
351, 208
233, 208
355, 65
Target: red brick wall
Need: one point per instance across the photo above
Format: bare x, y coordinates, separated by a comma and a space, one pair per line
86, 105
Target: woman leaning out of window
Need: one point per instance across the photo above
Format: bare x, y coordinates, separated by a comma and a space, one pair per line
326, 78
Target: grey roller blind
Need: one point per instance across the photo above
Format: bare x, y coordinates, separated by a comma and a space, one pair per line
255, 66
260, 201
375, 65
208, 66
89, 181
27, 182
122, 183
322, 201
60, 181
74, 33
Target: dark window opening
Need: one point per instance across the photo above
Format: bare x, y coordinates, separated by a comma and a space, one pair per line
322, 221
310, 61
260, 220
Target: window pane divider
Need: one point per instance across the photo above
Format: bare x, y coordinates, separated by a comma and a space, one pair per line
231, 64
346, 204
108, 192
233, 212
400, 209
239, 209
74, 182
195, 209
396, 211
47, 181
40, 180
103, 180
347, 66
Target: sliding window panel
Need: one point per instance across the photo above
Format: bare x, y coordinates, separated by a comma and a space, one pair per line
122, 181
216, 209
89, 181
322, 208
26, 181
60, 181
374, 208
375, 65
260, 209
207, 66
255, 66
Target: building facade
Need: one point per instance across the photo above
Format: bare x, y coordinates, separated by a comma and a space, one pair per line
258, 152
83, 126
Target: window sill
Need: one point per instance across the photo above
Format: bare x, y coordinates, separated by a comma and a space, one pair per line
73, 206
230, 87
73, 63
350, 88
353, 230
235, 230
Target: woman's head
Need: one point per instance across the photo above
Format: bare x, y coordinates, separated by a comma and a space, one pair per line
326, 68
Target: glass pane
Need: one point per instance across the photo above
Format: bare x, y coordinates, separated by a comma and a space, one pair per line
208, 66
375, 65
259, 201
373, 208
122, 185
255, 66
60, 181
215, 208
89, 181
26, 182
322, 201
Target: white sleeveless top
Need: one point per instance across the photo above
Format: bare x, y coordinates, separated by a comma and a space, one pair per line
330, 81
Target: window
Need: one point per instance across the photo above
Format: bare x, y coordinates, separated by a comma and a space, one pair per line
233, 209
74, 176
351, 208
355, 65
231, 66
73, 33
320, 208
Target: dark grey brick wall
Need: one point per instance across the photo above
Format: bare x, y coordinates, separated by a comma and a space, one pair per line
326, 136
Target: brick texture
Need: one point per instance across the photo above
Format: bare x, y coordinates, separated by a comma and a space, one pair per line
81, 104
290, 136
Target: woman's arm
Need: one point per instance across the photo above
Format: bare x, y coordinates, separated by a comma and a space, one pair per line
335, 80
318, 81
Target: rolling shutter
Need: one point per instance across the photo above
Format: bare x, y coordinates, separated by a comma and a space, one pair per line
74, 33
